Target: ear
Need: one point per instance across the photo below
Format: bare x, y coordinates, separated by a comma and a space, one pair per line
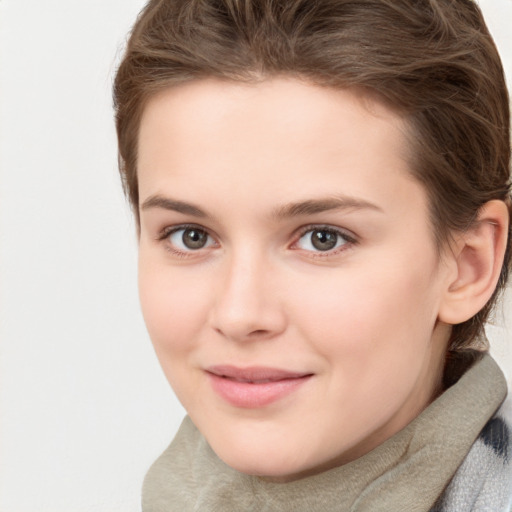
476, 258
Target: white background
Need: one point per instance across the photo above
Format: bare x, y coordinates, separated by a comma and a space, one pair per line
84, 406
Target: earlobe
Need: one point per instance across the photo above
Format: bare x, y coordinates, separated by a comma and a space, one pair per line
478, 257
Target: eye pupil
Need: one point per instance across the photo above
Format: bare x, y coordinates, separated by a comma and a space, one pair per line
194, 238
323, 240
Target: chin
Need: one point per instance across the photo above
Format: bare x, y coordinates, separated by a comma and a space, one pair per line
269, 469
266, 460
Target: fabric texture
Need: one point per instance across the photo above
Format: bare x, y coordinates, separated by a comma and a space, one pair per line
483, 483
454, 457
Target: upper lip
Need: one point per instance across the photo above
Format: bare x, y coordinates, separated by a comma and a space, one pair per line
254, 373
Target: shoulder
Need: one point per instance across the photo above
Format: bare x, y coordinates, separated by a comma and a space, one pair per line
483, 481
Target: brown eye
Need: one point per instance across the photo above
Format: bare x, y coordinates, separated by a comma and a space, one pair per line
190, 239
322, 240
194, 238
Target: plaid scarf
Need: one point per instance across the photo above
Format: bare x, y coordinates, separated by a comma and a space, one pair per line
483, 482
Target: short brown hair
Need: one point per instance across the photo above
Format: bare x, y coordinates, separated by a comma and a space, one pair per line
432, 60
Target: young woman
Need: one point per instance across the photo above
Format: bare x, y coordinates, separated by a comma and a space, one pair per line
322, 193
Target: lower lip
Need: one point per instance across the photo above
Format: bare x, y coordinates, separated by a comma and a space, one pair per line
254, 395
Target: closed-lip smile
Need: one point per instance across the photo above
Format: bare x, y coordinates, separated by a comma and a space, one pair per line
255, 386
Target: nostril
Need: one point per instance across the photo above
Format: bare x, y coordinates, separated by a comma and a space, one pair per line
248, 335
258, 332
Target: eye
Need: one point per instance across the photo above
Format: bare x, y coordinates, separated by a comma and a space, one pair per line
186, 239
323, 239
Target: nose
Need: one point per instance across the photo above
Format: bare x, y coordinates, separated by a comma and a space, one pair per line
247, 303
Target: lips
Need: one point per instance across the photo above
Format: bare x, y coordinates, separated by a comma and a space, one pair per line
254, 387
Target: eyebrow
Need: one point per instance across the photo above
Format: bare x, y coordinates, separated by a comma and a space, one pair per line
312, 206
295, 209
166, 203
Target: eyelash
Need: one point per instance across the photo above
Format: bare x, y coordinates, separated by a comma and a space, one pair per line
169, 230
350, 239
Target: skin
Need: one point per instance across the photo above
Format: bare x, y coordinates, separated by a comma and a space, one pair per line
362, 318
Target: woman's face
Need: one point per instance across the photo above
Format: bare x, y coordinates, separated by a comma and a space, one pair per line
288, 275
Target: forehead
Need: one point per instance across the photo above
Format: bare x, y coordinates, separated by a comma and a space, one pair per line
276, 138
286, 107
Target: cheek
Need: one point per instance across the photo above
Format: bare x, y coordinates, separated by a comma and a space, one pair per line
359, 316
174, 312
171, 305
374, 335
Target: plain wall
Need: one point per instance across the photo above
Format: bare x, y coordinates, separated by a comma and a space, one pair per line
84, 406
